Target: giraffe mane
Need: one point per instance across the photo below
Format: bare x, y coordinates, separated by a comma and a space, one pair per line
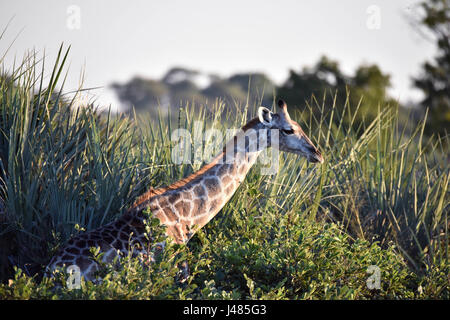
251, 124
155, 192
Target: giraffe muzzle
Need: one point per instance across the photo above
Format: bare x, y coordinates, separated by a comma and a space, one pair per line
315, 157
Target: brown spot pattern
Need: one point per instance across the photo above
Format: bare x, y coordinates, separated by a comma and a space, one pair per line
213, 186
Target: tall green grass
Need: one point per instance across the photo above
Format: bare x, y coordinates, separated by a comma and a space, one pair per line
381, 197
384, 185
60, 167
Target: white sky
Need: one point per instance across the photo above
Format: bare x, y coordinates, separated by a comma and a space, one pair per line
119, 39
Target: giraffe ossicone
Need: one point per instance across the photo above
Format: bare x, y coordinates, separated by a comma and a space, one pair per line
187, 205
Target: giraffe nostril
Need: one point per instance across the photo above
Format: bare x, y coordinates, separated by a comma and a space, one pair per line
314, 154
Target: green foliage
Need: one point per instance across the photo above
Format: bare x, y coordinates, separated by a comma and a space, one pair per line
141, 92
304, 261
381, 183
434, 79
258, 85
366, 90
307, 232
300, 261
325, 76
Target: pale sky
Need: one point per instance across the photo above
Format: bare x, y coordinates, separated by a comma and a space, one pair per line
119, 39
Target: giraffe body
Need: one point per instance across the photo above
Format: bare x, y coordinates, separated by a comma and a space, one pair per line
189, 204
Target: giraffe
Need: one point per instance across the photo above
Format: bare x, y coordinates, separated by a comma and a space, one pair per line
185, 206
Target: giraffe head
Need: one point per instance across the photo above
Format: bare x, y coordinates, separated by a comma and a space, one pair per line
291, 136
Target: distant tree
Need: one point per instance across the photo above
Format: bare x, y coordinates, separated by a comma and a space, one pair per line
185, 91
434, 79
231, 93
180, 74
258, 85
325, 77
370, 84
184, 87
142, 94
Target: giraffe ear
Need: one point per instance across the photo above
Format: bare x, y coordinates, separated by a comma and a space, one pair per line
265, 116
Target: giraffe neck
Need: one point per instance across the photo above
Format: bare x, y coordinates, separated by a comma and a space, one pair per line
191, 203
183, 207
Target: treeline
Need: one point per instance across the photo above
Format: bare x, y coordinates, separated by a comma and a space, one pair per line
365, 89
180, 84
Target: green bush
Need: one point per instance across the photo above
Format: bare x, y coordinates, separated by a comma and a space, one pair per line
303, 261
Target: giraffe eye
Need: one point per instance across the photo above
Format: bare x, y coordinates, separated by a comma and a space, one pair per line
289, 131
